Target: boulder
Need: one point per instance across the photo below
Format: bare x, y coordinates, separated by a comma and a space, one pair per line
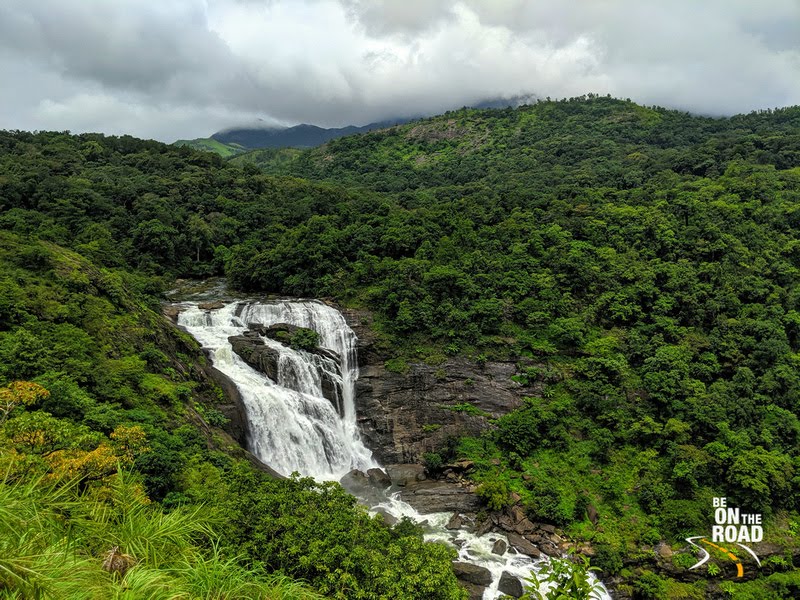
499, 548
517, 513
379, 478
216, 305
461, 466
551, 550
483, 527
388, 518
171, 311
474, 592
402, 475
355, 479
510, 585
523, 546
255, 353
664, 551
524, 527
358, 483
472, 573
455, 522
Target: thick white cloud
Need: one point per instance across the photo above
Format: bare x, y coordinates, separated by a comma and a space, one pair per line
184, 68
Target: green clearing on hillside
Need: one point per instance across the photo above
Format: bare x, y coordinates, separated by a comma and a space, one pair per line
212, 145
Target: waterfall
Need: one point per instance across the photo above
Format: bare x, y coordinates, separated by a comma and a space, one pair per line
292, 426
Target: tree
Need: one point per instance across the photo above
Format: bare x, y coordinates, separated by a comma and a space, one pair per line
20, 393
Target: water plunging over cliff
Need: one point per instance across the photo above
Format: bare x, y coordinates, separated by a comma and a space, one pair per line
292, 426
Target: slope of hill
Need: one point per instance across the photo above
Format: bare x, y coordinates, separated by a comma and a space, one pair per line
588, 142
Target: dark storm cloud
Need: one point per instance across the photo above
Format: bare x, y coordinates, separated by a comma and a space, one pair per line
184, 68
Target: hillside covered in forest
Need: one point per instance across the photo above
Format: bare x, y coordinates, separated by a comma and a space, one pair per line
641, 265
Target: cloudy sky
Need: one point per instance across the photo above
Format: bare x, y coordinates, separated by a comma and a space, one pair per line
171, 69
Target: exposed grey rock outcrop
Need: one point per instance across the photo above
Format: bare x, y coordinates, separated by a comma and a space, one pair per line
256, 353
233, 409
402, 415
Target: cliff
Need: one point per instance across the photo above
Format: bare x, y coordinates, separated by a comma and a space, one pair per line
403, 415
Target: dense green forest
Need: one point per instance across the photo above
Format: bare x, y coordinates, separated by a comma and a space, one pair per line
640, 263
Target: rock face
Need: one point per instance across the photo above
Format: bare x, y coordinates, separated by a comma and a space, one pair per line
404, 415
233, 410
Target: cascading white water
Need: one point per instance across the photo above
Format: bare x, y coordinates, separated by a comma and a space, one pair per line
294, 428
477, 549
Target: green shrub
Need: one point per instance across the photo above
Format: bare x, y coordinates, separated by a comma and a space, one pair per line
211, 415
397, 365
649, 586
433, 461
305, 339
607, 558
495, 493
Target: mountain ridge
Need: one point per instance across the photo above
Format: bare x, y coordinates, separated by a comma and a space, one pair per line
236, 140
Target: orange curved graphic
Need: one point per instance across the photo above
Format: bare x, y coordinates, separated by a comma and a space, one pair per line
731, 555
